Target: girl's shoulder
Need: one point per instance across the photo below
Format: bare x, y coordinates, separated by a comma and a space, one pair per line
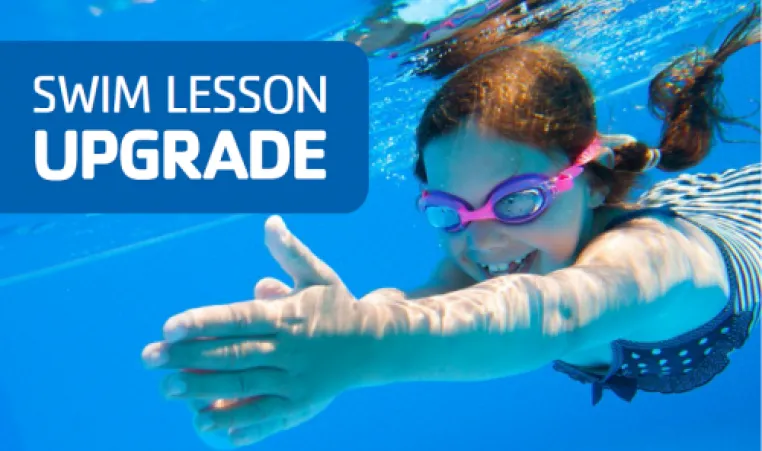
727, 206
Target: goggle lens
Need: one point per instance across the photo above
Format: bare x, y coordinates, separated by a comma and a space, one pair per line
516, 206
442, 217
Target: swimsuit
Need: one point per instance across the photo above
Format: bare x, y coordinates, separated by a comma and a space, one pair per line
727, 206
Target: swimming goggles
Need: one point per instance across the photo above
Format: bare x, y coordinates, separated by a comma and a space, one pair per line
517, 200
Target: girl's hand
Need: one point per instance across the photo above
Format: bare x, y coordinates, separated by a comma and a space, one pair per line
279, 360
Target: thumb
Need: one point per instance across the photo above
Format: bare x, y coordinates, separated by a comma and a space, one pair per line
295, 258
269, 288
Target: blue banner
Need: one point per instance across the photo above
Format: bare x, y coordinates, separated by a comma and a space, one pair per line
183, 127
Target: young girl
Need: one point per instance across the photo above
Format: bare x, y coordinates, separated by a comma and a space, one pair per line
547, 263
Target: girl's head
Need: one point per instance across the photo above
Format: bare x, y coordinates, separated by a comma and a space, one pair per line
523, 110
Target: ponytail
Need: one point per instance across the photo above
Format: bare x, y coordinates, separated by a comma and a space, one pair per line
685, 96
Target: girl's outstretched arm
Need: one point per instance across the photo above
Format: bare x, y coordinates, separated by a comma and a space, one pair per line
636, 276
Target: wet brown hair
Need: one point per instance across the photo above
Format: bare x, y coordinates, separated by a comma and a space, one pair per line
531, 93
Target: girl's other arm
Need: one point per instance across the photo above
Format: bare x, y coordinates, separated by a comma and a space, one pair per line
631, 278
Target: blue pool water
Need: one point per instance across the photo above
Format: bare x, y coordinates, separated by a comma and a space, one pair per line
81, 295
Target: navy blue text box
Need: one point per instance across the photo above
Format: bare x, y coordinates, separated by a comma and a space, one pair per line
271, 67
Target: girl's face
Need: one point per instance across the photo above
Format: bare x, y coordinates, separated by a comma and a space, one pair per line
469, 164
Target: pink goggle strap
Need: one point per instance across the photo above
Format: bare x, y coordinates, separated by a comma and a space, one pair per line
485, 212
565, 179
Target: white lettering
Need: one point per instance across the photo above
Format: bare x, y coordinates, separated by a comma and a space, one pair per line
302, 153
250, 94
150, 156
39, 90
104, 97
224, 93
140, 92
79, 91
78, 95
171, 97
41, 156
174, 159
90, 158
225, 143
258, 171
289, 94
278, 94
196, 93
304, 87
180, 149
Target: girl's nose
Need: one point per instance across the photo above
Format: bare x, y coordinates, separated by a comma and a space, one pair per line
484, 235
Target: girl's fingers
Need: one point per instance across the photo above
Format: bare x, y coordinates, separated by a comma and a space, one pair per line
243, 415
226, 385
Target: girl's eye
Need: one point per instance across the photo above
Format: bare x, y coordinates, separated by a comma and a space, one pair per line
522, 203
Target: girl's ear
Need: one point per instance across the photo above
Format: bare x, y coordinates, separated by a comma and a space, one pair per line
597, 195
605, 157
598, 192
608, 144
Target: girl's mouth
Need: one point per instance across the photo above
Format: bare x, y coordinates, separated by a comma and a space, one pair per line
518, 266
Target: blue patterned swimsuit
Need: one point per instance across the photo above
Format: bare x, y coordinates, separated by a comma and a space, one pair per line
727, 206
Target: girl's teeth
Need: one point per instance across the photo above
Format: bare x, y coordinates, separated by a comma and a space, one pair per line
505, 267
